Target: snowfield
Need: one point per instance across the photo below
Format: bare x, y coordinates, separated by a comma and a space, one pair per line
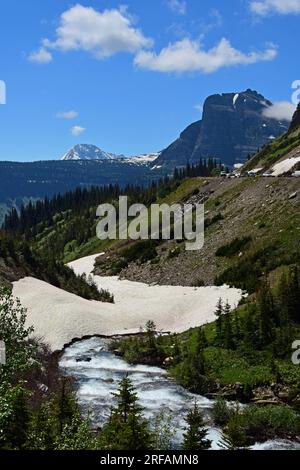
59, 317
284, 166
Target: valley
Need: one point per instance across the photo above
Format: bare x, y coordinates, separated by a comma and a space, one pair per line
59, 317
215, 325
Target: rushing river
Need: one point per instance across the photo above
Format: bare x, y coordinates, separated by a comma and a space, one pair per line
97, 373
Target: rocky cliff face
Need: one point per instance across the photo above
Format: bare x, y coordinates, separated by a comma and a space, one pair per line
233, 126
296, 119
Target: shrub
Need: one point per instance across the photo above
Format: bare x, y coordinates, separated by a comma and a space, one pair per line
174, 252
221, 412
261, 423
141, 251
233, 247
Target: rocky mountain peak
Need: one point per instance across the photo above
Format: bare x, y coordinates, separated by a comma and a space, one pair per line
88, 152
232, 127
296, 119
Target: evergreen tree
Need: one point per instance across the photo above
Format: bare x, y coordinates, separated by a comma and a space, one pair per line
44, 428
251, 327
17, 426
176, 351
283, 300
228, 330
66, 405
195, 435
267, 314
234, 437
126, 428
150, 333
294, 294
219, 323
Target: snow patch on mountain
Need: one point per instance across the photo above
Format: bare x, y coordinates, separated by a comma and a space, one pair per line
145, 158
91, 152
235, 98
88, 152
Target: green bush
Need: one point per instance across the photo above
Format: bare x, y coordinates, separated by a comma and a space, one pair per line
141, 251
221, 412
269, 421
233, 247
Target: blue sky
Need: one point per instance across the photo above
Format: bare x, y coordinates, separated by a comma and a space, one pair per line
129, 78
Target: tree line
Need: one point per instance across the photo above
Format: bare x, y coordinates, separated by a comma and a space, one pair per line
26, 220
19, 258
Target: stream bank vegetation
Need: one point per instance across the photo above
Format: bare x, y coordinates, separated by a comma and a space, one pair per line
244, 356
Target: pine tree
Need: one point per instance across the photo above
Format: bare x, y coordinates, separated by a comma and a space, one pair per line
267, 314
19, 420
251, 327
44, 428
237, 329
176, 351
195, 435
150, 334
234, 437
127, 429
294, 294
228, 330
202, 342
66, 405
219, 323
283, 299
194, 364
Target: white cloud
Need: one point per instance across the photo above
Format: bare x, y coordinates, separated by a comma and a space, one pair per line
177, 6
189, 56
100, 33
67, 115
282, 111
77, 130
41, 56
284, 7
199, 108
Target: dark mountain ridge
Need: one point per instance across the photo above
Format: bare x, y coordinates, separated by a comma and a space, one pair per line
20, 182
296, 119
233, 126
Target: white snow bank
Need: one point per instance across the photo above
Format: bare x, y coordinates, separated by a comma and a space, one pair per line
59, 317
235, 98
284, 166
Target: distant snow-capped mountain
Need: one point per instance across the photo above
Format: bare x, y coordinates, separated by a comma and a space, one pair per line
88, 152
145, 158
91, 152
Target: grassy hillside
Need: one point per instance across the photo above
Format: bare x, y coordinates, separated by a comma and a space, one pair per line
252, 227
284, 147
